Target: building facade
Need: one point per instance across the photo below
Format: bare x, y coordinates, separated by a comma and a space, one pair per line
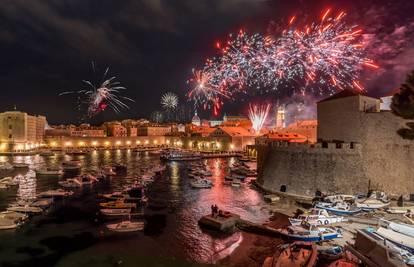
20, 131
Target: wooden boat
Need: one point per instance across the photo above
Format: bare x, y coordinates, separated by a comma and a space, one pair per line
115, 212
339, 208
201, 183
71, 165
20, 165
11, 219
296, 254
117, 205
55, 193
316, 216
49, 172
126, 226
309, 232
25, 209
370, 204
5, 166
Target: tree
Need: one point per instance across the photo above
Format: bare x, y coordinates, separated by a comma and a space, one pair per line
403, 105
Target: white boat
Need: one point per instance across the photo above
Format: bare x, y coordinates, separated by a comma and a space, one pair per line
69, 183
14, 216
316, 216
71, 165
400, 210
310, 232
5, 166
399, 239
49, 172
339, 198
46, 153
201, 183
9, 181
115, 212
126, 226
25, 209
398, 227
55, 193
236, 183
19, 165
339, 208
370, 204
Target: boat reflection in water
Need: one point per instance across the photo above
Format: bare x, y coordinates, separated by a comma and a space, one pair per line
73, 230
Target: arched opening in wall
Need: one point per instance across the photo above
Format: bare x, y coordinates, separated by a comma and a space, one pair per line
351, 145
283, 188
318, 193
324, 144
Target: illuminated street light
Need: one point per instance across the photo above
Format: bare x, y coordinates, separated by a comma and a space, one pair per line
128, 142
118, 143
68, 144
94, 143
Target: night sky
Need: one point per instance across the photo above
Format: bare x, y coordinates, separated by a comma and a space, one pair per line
47, 46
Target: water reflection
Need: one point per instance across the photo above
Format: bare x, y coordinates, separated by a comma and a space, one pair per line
172, 212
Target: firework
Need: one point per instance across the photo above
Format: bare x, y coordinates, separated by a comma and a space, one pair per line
206, 91
169, 101
318, 58
258, 115
99, 96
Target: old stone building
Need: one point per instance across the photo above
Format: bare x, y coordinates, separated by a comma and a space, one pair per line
358, 148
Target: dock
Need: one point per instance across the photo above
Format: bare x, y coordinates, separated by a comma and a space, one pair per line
224, 223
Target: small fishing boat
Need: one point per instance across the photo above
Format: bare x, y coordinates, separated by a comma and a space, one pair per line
9, 181
126, 226
201, 183
49, 172
108, 171
370, 204
25, 209
5, 166
339, 208
11, 219
43, 203
69, 183
400, 210
85, 179
20, 165
55, 193
339, 198
401, 240
113, 196
296, 254
310, 232
115, 212
316, 216
71, 165
46, 153
118, 204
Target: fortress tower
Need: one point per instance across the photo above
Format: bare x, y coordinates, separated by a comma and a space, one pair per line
280, 117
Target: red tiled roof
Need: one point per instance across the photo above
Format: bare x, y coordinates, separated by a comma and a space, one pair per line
284, 136
235, 131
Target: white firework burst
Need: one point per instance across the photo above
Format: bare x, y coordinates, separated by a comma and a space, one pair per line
169, 101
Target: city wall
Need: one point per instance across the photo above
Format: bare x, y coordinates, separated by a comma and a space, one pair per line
304, 169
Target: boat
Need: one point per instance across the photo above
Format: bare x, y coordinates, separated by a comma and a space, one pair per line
201, 183
339, 198
330, 252
316, 216
3, 186
113, 196
19, 165
108, 171
85, 179
69, 183
339, 208
16, 217
46, 153
43, 203
401, 240
309, 232
55, 193
5, 166
373, 251
398, 227
370, 204
115, 212
119, 168
118, 204
126, 226
236, 183
25, 209
400, 210
9, 181
49, 172
71, 165
296, 254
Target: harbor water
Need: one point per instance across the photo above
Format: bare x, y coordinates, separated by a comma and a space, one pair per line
72, 233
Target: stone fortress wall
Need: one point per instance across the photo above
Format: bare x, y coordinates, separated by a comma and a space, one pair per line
358, 148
